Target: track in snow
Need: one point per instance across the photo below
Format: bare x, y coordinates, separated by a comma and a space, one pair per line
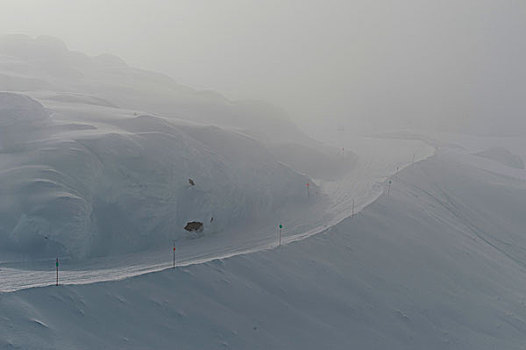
378, 160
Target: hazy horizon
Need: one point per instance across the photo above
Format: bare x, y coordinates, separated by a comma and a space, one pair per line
367, 65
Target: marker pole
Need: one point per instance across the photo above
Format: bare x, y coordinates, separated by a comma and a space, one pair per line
56, 264
308, 190
389, 188
173, 265
352, 207
280, 228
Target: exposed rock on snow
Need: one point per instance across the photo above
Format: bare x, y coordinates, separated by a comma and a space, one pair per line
194, 226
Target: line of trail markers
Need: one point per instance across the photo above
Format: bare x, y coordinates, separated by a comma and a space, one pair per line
280, 225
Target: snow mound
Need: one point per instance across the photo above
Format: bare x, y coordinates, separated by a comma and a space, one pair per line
16, 109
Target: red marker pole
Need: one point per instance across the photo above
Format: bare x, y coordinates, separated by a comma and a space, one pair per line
308, 190
173, 266
56, 264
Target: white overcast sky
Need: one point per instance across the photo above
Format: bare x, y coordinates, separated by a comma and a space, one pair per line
434, 60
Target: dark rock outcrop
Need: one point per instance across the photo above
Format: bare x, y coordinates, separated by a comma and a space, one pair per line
194, 226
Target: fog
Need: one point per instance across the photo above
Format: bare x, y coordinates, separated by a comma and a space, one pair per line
367, 65
262, 174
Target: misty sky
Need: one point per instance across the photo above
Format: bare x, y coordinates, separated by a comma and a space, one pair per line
410, 62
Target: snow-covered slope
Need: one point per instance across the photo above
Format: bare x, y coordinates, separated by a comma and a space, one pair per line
437, 264
80, 181
329, 203
503, 156
47, 70
95, 156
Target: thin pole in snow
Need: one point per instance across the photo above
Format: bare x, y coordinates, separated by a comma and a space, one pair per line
308, 190
352, 207
56, 265
279, 237
173, 265
389, 188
